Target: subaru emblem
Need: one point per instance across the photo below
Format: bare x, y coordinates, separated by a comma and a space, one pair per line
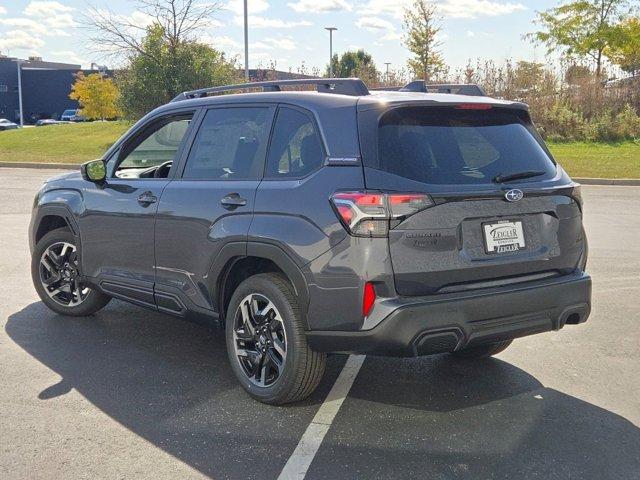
514, 195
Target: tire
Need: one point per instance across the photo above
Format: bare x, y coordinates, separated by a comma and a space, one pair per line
74, 299
482, 351
267, 324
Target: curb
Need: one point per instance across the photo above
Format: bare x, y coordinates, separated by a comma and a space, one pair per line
36, 165
75, 166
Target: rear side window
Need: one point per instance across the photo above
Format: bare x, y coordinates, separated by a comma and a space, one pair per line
230, 145
296, 149
451, 146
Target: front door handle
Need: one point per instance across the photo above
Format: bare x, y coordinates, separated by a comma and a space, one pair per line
147, 198
233, 200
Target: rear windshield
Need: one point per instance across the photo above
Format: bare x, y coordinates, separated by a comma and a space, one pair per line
453, 146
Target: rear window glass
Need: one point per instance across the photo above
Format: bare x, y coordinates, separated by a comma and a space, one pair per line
452, 146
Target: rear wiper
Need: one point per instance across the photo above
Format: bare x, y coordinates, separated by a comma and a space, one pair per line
517, 176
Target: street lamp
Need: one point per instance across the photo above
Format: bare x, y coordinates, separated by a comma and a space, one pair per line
331, 30
387, 64
19, 65
246, 42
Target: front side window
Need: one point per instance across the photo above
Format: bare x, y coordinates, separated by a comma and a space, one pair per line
230, 144
155, 148
296, 149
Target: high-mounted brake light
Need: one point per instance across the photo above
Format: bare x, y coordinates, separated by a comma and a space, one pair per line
367, 214
474, 106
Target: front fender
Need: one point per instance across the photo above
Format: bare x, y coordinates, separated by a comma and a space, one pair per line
67, 203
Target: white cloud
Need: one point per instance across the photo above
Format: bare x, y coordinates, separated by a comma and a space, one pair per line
222, 42
391, 37
470, 34
19, 40
315, 6
253, 6
67, 56
25, 24
270, 43
374, 23
256, 21
2, 10
477, 8
50, 13
45, 8
446, 8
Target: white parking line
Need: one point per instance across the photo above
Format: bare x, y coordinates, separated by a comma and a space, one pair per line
299, 461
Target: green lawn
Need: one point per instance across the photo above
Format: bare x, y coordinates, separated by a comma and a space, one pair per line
599, 160
77, 143
68, 143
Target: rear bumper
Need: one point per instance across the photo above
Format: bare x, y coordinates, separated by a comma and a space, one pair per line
427, 325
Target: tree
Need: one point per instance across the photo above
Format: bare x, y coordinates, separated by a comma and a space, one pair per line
118, 35
97, 96
624, 51
163, 58
161, 73
583, 28
355, 64
421, 38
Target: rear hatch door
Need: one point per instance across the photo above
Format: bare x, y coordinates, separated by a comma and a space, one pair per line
502, 212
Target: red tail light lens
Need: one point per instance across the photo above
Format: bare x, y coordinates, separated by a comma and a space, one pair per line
367, 214
368, 299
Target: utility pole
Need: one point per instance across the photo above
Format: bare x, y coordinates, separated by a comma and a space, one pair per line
331, 30
387, 64
19, 65
246, 42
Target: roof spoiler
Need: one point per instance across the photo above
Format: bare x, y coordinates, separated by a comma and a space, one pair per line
343, 86
455, 88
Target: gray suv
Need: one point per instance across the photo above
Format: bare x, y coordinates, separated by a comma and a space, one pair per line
427, 220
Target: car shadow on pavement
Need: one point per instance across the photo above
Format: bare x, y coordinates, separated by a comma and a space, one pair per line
441, 417
169, 382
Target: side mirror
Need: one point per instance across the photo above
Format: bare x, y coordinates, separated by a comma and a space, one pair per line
94, 171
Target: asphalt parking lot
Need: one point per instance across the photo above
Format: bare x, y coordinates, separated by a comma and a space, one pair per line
136, 394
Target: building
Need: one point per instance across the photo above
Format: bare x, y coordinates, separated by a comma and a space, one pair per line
45, 88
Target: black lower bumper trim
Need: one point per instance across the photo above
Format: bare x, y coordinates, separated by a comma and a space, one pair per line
429, 325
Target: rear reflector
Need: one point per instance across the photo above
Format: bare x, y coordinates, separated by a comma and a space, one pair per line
368, 214
474, 106
368, 299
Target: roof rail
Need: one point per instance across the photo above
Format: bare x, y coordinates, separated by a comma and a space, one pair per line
455, 88
343, 86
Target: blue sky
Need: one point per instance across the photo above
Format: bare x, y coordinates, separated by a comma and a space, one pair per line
291, 32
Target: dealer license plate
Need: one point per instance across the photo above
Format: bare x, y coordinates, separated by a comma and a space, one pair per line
503, 237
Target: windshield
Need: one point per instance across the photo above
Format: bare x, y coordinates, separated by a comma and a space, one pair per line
69, 112
454, 146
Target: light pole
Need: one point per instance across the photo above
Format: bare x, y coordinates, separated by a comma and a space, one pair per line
387, 64
19, 65
246, 42
331, 30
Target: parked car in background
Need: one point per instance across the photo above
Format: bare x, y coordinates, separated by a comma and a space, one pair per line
399, 223
49, 121
7, 125
72, 116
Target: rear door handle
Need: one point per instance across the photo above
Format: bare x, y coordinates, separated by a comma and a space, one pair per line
233, 200
147, 198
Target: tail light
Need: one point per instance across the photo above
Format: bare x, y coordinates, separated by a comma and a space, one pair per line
368, 214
